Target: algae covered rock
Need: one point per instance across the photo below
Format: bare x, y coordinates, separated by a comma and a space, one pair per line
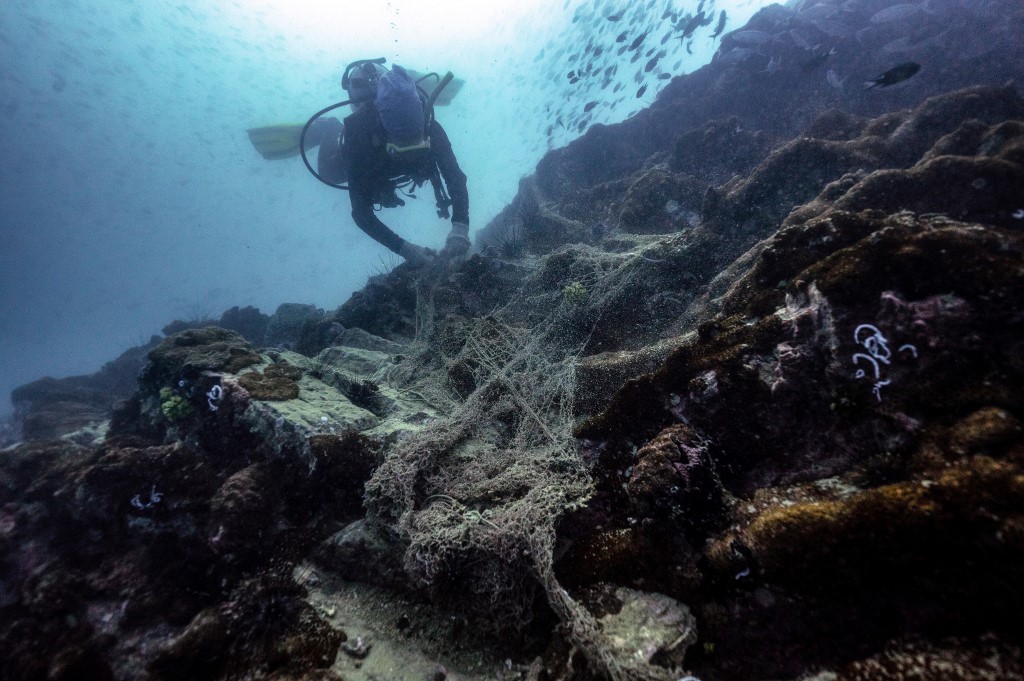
186, 355
277, 382
285, 327
649, 630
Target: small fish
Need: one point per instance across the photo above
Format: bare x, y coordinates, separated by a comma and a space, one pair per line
641, 91
651, 63
622, 37
637, 40
720, 26
693, 25
664, 76
750, 38
818, 57
897, 13
589, 106
615, 17
896, 74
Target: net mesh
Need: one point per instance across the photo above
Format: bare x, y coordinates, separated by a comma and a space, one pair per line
476, 495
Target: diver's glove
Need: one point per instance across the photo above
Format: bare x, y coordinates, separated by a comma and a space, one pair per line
416, 256
457, 242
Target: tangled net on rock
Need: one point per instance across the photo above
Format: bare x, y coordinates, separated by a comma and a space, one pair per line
477, 495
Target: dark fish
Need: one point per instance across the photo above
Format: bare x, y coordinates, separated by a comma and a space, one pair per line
664, 38
636, 56
896, 74
622, 36
637, 40
572, 74
818, 58
641, 91
615, 17
651, 63
621, 50
720, 26
650, 51
589, 106
693, 24
582, 124
664, 76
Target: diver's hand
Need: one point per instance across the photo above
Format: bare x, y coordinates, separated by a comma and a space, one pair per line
457, 243
416, 256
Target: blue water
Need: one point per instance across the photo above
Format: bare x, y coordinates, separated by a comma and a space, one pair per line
129, 192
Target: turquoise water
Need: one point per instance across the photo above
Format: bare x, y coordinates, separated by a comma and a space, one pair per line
130, 193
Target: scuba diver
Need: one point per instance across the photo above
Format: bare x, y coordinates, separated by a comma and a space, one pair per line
390, 142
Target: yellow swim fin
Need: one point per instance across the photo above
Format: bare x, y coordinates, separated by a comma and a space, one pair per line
275, 142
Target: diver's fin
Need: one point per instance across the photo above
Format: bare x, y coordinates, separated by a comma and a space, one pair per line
275, 142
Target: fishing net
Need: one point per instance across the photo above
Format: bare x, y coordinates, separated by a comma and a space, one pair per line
476, 495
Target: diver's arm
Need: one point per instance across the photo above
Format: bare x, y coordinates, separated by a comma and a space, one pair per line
360, 192
362, 171
453, 176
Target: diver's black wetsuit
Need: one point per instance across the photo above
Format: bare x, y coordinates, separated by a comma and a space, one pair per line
364, 162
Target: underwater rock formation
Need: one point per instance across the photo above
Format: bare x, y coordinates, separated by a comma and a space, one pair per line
731, 391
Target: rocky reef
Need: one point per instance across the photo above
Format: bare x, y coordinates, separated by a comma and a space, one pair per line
743, 401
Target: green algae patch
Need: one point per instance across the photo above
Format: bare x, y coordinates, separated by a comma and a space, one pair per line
320, 407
